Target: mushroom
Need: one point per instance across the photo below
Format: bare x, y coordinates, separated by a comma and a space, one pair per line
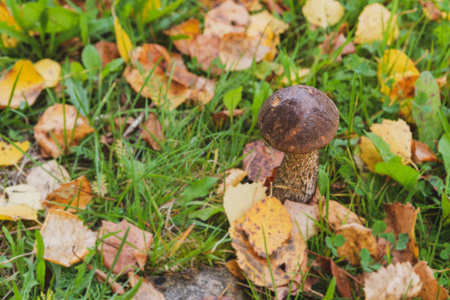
298, 120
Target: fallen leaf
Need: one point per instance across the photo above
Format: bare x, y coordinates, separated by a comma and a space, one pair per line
334, 41
374, 22
107, 51
323, 13
421, 153
431, 290
49, 70
237, 51
268, 225
47, 177
10, 155
339, 215
6, 17
395, 65
203, 90
205, 49
234, 269
146, 291
64, 124
27, 89
22, 194
72, 196
238, 200
188, 30
219, 118
18, 212
233, 178
396, 281
430, 10
122, 123
123, 41
396, 134
261, 160
134, 250
226, 18
357, 237
303, 217
152, 132
66, 239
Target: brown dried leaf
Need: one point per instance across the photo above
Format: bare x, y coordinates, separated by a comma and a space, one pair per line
234, 177
107, 51
268, 225
152, 132
28, 87
51, 126
431, 290
396, 281
191, 29
421, 152
334, 41
303, 217
206, 49
226, 18
357, 237
77, 194
47, 177
66, 239
203, 90
135, 247
339, 215
262, 159
219, 118
146, 291
237, 51
234, 269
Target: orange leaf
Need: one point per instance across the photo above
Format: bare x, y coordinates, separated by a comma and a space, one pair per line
77, 194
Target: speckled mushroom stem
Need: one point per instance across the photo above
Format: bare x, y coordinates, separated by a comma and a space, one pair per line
296, 179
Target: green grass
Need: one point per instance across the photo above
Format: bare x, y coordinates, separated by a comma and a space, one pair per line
149, 188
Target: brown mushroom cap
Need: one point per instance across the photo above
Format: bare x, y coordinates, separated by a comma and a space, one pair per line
298, 119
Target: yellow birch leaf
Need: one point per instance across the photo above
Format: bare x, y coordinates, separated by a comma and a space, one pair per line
323, 13
123, 41
20, 202
5, 16
18, 212
357, 237
373, 23
10, 155
29, 85
49, 70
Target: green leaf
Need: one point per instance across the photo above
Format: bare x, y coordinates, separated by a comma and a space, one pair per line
199, 188
204, 214
33, 11
425, 109
78, 96
339, 240
40, 262
61, 19
403, 238
263, 91
378, 227
444, 149
381, 145
445, 202
154, 14
404, 175
331, 289
232, 99
91, 59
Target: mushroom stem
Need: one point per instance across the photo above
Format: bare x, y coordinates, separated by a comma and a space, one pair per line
296, 179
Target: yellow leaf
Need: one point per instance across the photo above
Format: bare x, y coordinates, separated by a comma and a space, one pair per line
123, 41
5, 16
373, 23
238, 200
22, 194
323, 13
148, 7
396, 134
394, 65
77, 194
357, 237
18, 212
234, 177
29, 85
10, 155
49, 70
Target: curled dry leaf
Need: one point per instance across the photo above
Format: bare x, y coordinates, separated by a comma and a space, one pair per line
27, 89
339, 215
226, 18
421, 153
47, 177
20, 202
10, 155
134, 250
431, 290
49, 70
323, 13
146, 291
237, 51
261, 160
233, 178
152, 132
238, 200
303, 217
268, 225
357, 237
51, 126
107, 51
75, 194
66, 239
374, 22
234, 269
284, 262
396, 134
396, 281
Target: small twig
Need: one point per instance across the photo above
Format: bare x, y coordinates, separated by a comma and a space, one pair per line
133, 125
217, 244
18, 256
